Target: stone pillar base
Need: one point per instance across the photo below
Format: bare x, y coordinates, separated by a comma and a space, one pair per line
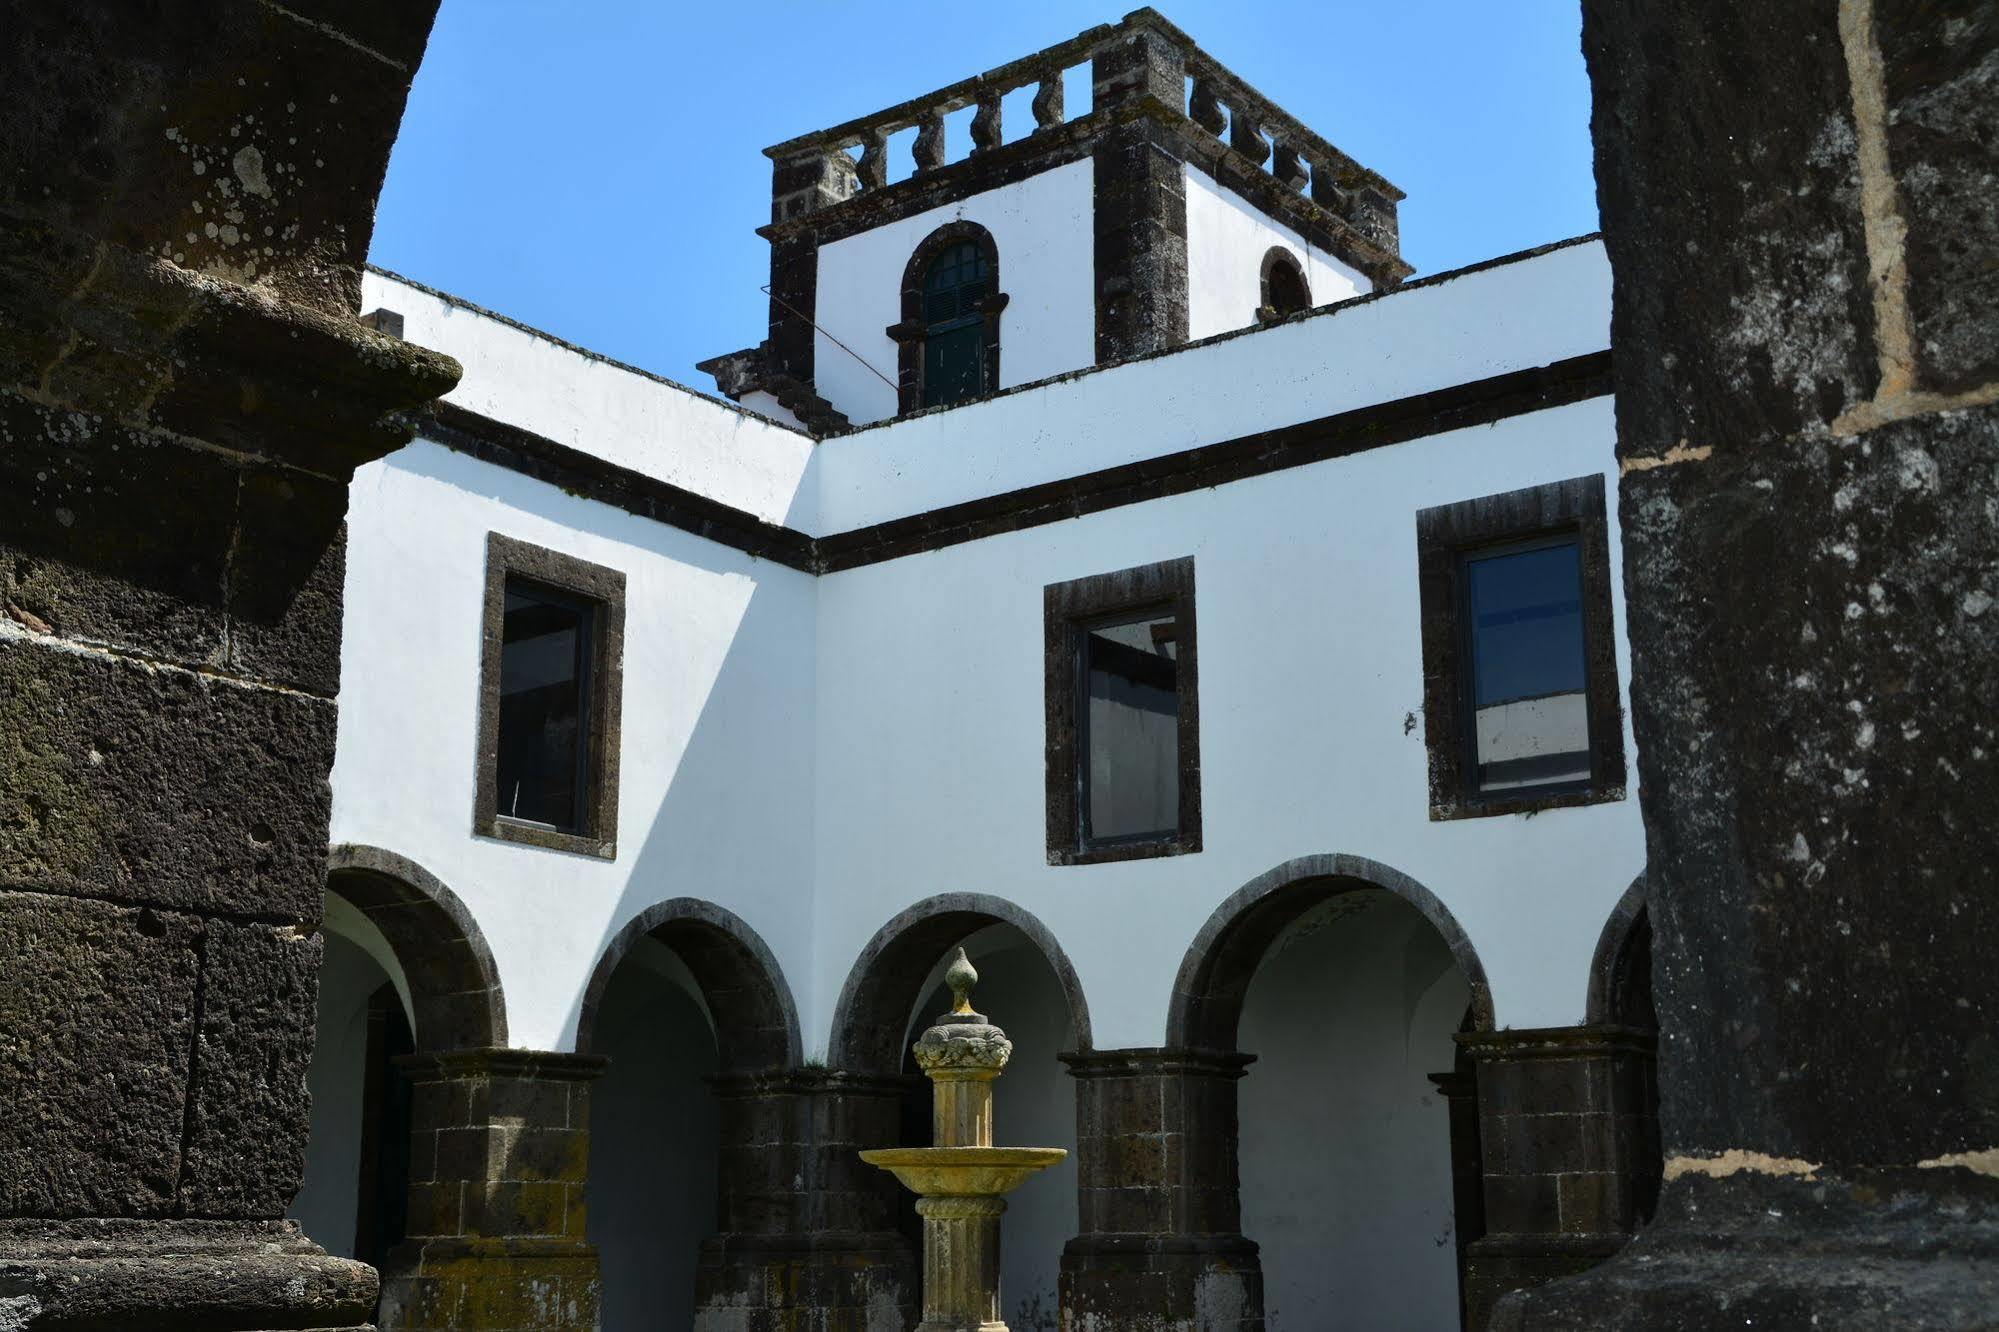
856, 1281
1904, 1248
1161, 1283
218, 1276
461, 1282
1496, 1265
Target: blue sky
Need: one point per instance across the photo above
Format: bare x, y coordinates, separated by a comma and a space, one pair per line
595, 168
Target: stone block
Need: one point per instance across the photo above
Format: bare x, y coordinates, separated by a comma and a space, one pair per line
1941, 64
102, 795
286, 578
114, 535
97, 1005
247, 1120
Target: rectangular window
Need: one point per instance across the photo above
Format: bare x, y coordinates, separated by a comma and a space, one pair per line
1521, 696
1530, 703
1123, 729
544, 706
549, 702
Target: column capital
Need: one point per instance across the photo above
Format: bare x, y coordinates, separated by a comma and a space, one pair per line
502, 1062
1156, 1061
1520, 1043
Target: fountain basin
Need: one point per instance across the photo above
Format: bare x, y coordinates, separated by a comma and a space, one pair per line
975, 1172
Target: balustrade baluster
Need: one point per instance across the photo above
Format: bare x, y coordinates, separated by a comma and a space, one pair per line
1245, 138
1326, 191
1286, 166
874, 159
929, 149
1206, 108
986, 123
1048, 102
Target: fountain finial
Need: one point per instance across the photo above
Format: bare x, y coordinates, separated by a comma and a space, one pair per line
961, 977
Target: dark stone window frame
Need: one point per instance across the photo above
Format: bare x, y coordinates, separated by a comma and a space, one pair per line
1444, 536
1068, 609
507, 557
910, 334
1280, 256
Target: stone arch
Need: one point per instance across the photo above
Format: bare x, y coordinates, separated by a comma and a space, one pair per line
1282, 286
910, 333
1214, 976
884, 985
756, 1021
454, 986
1624, 945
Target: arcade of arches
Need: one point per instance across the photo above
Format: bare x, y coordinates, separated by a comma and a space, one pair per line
1332, 1086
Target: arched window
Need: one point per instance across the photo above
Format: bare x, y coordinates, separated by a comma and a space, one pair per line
1284, 289
951, 303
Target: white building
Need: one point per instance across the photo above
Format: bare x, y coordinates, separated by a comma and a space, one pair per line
696, 734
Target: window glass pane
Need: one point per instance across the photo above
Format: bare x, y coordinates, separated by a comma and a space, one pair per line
544, 668
1131, 772
1529, 705
953, 364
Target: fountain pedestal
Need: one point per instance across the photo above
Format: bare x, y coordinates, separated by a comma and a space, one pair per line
960, 1182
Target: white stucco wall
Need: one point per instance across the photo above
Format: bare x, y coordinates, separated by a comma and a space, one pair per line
818, 754
715, 757
1227, 238
1042, 229
1509, 317
931, 728
650, 425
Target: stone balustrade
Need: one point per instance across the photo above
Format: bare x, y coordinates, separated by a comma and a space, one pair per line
1239, 130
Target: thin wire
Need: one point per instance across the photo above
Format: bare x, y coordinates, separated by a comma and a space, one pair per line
830, 338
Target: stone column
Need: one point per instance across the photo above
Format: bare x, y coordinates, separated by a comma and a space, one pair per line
499, 1157
807, 1231
184, 393
1800, 223
1161, 1247
1566, 1147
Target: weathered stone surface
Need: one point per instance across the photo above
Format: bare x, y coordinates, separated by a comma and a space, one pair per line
1813, 644
186, 195
1941, 66
97, 1011
1827, 731
243, 125
176, 1276
112, 535
285, 595
246, 1124
1753, 313
102, 795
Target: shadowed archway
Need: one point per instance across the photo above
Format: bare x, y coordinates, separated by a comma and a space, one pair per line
755, 1021
454, 987
1330, 991
1215, 975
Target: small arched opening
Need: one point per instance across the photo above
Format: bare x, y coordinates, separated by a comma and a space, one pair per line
1284, 289
685, 995
1346, 981
1028, 987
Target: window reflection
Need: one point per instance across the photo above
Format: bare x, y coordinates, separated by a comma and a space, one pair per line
544, 723
1131, 730
1530, 705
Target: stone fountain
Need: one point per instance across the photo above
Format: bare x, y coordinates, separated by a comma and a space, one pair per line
960, 1183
